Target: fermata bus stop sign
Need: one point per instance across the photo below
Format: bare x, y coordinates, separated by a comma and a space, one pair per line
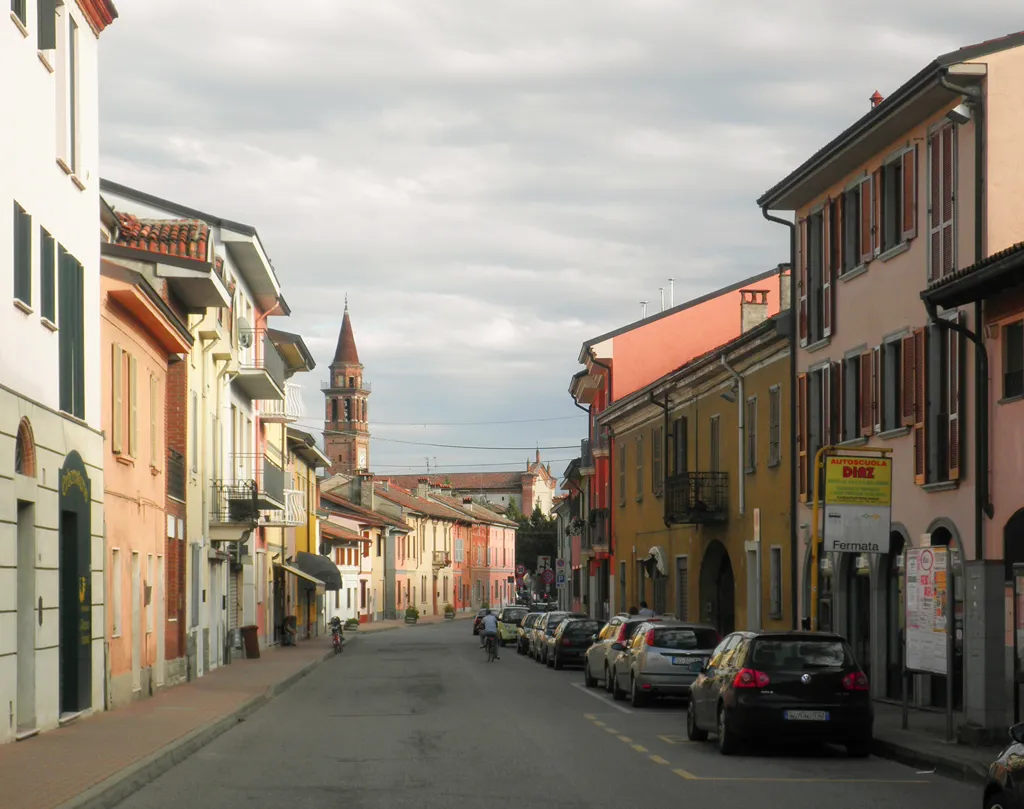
858, 504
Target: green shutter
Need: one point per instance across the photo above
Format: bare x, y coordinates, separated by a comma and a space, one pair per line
18, 7
64, 335
79, 338
22, 255
47, 17
47, 279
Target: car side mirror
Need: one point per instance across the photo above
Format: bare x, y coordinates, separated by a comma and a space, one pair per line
617, 647
1017, 733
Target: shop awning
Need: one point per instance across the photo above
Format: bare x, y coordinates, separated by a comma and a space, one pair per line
309, 582
320, 567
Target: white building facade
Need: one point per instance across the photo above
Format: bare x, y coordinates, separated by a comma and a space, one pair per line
51, 445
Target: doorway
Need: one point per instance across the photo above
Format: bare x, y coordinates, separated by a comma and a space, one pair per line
858, 608
718, 589
74, 561
26, 606
895, 618
136, 623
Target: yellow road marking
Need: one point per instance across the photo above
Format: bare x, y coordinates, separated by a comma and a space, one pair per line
589, 716
684, 774
671, 739
625, 739
611, 731
599, 724
639, 748
658, 760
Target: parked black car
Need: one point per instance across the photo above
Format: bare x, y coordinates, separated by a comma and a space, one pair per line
782, 685
572, 639
1004, 788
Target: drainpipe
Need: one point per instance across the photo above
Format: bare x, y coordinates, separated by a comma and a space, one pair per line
794, 460
740, 403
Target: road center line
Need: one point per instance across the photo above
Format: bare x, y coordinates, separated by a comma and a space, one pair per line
639, 748
589, 693
658, 760
611, 731
625, 739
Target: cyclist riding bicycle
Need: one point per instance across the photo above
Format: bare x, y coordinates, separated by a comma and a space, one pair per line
489, 629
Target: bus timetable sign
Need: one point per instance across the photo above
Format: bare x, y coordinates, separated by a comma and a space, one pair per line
858, 504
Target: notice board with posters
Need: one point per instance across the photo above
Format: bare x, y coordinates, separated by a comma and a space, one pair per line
858, 504
927, 609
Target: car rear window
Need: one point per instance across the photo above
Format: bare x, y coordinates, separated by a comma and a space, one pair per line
555, 619
513, 616
674, 637
632, 627
582, 629
794, 653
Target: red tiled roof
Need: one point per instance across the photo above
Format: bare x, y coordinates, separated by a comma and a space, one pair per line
410, 501
466, 481
184, 238
335, 531
455, 505
364, 515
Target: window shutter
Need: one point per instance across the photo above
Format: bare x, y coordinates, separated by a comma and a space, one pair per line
116, 377
876, 387
22, 255
920, 416
909, 359
954, 386
877, 235
910, 193
934, 207
826, 270
47, 276
47, 24
948, 205
133, 406
865, 220
867, 389
839, 208
838, 377
153, 390
801, 435
828, 382
802, 282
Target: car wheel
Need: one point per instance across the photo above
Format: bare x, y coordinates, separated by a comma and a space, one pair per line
997, 800
726, 742
858, 749
617, 693
588, 678
694, 733
550, 661
558, 665
637, 698
607, 680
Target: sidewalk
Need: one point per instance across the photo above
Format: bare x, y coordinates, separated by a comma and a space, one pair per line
923, 745
383, 626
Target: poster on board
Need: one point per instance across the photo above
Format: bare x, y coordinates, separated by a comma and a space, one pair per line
926, 589
858, 500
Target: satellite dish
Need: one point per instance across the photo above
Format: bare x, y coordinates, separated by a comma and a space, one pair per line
244, 332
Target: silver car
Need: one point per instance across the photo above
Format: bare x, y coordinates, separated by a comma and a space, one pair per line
662, 660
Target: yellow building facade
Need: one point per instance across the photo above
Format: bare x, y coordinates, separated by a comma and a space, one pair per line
701, 485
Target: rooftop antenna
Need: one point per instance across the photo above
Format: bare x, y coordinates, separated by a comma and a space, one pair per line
662, 291
643, 304
671, 292
428, 464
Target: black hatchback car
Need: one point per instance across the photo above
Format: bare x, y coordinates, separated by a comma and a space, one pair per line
801, 686
572, 639
1004, 788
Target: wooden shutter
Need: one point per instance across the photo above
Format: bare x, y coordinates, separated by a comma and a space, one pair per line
935, 207
117, 404
877, 229
877, 403
910, 193
801, 435
954, 368
826, 270
839, 209
153, 391
828, 383
836, 423
948, 205
867, 393
908, 361
920, 338
133, 406
865, 220
802, 282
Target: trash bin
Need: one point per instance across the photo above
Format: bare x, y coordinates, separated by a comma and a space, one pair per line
251, 641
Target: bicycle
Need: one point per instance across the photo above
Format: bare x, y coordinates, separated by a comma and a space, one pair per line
492, 648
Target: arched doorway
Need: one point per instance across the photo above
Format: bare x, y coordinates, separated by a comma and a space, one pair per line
718, 588
943, 537
857, 584
891, 567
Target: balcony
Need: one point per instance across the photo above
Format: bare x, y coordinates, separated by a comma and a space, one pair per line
176, 475
693, 498
267, 477
442, 559
339, 384
199, 285
283, 411
261, 369
586, 458
292, 515
598, 530
600, 444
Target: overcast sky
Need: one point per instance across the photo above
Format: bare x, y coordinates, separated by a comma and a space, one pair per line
494, 183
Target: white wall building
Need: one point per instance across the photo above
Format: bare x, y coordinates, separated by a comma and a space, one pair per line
51, 447
345, 543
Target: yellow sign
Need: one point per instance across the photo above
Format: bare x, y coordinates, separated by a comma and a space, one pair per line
73, 479
851, 481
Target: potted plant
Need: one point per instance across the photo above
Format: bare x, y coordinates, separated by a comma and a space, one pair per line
352, 623
411, 615
449, 612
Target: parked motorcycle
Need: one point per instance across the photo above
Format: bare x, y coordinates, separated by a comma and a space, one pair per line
337, 638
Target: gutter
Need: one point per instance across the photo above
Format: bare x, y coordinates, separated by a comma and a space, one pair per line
740, 402
794, 482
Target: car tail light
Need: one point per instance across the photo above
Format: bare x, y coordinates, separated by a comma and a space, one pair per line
622, 634
750, 678
650, 637
566, 642
855, 681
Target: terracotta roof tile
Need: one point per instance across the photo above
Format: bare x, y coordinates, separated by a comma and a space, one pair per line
466, 481
370, 517
410, 501
184, 238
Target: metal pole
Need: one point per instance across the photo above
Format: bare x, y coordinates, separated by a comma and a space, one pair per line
1018, 570
950, 632
822, 451
671, 292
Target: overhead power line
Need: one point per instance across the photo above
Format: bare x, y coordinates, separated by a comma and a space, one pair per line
457, 446
441, 467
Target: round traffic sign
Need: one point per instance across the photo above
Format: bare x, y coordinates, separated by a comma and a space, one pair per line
927, 560
548, 576
520, 570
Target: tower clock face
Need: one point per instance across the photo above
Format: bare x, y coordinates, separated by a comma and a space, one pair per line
362, 457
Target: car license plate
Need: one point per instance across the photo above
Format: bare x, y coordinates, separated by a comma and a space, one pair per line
690, 663
807, 716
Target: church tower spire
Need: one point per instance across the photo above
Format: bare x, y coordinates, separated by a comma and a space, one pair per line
346, 418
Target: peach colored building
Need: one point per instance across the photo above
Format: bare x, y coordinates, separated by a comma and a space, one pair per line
905, 198
140, 335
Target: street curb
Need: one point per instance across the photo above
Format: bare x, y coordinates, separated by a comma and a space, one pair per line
108, 793
943, 765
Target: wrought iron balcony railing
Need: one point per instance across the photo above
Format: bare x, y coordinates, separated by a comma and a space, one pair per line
697, 497
343, 384
441, 559
286, 410
292, 515
267, 476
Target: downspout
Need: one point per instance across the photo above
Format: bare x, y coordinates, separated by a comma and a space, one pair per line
794, 460
982, 504
740, 406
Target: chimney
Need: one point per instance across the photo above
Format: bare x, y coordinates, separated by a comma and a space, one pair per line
366, 499
423, 487
876, 99
753, 308
468, 503
785, 286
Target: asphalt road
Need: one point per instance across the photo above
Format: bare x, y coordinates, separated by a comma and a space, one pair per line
417, 717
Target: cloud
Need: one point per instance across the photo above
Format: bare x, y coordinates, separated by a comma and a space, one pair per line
492, 187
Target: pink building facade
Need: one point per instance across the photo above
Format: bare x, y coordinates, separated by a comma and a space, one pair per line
898, 203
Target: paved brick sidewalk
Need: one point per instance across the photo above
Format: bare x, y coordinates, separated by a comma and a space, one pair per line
55, 767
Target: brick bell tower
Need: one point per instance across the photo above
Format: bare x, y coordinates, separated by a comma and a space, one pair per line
346, 419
